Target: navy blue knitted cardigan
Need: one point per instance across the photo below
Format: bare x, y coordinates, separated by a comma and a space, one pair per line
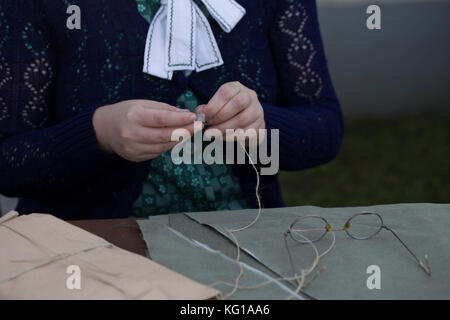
52, 79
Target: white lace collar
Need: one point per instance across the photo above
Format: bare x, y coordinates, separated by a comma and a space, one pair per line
180, 37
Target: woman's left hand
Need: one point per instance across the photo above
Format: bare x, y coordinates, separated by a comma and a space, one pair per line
233, 106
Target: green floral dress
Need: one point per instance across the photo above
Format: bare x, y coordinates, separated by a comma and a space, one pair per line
188, 187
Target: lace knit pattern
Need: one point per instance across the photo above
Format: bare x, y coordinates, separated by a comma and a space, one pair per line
52, 79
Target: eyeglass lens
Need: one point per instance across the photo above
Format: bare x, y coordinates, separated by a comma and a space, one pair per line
363, 226
308, 229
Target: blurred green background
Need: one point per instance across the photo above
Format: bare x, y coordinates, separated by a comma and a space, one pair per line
388, 160
393, 85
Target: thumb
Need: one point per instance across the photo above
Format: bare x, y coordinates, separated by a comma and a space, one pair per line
200, 109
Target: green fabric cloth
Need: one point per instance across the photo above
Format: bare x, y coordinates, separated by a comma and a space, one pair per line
423, 227
188, 187
175, 251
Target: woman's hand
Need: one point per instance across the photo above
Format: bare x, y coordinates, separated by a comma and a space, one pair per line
233, 106
139, 130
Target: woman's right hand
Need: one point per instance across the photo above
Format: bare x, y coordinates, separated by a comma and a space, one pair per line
139, 130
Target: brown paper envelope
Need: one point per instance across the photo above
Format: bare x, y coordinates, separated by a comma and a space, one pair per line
37, 250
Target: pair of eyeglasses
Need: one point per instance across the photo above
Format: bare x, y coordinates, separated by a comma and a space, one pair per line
360, 226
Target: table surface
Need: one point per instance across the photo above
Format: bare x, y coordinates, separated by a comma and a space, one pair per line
126, 234
123, 233
424, 227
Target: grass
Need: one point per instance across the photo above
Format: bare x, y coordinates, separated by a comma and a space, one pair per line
381, 161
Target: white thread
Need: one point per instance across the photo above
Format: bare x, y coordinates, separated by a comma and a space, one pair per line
299, 278
52, 259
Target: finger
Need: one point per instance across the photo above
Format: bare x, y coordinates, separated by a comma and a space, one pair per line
164, 118
225, 93
260, 123
160, 135
241, 120
149, 104
238, 103
200, 108
254, 137
138, 152
245, 134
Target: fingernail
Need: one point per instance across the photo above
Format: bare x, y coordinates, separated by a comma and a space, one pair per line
193, 117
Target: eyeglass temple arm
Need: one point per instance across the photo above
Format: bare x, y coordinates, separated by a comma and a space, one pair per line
426, 267
291, 261
288, 250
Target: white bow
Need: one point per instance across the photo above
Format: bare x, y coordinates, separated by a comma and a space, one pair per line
180, 37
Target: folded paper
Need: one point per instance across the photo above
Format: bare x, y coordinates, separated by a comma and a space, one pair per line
40, 255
